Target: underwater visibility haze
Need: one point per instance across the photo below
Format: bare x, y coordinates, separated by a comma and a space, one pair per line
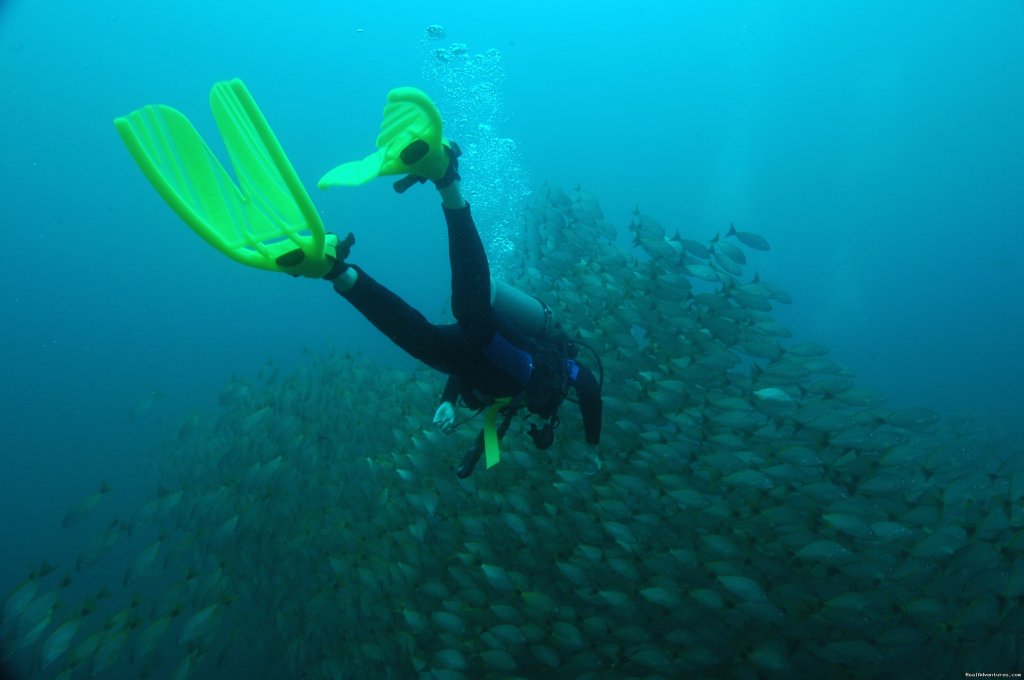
792, 232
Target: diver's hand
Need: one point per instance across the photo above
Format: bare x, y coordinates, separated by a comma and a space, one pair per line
444, 417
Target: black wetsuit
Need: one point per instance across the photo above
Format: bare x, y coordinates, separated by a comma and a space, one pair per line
484, 358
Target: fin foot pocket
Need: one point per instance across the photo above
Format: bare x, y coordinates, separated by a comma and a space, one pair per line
414, 152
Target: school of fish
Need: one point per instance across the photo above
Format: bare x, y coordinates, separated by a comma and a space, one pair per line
751, 512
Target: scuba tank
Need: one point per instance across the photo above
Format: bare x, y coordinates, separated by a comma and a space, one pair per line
550, 349
535, 320
525, 312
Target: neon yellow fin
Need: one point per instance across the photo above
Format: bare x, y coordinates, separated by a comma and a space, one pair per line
267, 220
409, 116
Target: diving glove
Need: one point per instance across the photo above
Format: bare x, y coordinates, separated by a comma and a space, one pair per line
329, 266
414, 153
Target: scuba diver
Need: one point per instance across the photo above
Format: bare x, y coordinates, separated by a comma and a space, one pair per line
503, 343
504, 351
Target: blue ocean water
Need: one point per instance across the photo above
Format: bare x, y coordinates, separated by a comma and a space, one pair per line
877, 146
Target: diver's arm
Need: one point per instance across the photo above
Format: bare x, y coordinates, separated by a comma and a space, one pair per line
451, 390
589, 392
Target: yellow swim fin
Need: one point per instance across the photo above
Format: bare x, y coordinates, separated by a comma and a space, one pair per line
267, 220
409, 143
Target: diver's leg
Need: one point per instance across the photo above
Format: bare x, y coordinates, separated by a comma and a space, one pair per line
440, 347
471, 275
